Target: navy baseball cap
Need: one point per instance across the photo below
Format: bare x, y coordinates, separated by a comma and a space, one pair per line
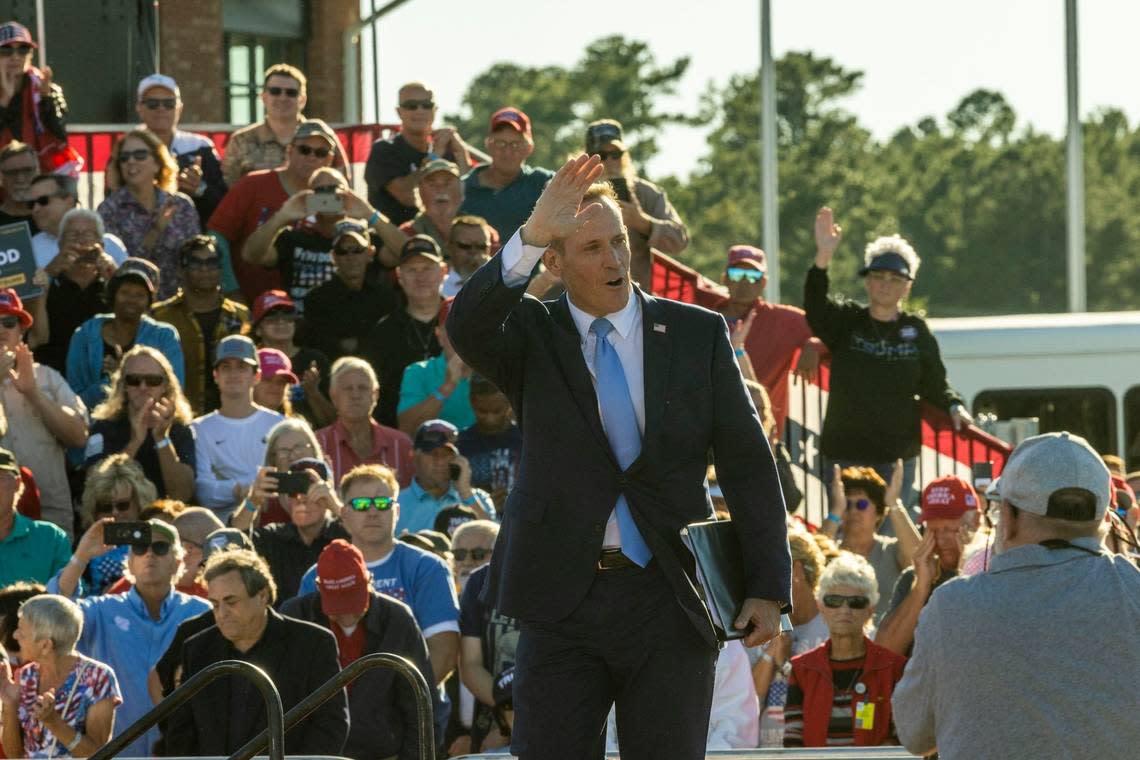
435, 433
236, 347
888, 261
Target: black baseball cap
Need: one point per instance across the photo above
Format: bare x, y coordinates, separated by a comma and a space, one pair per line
421, 245
435, 433
8, 462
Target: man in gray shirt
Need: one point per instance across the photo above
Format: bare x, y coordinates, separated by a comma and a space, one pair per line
1032, 659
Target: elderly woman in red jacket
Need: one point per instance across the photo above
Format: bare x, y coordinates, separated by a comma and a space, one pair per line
839, 694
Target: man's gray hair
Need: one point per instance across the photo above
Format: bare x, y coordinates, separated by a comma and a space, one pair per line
349, 364
849, 570
892, 244
486, 528
82, 213
54, 617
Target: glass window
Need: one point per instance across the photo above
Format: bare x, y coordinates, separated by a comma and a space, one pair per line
1089, 412
247, 57
1132, 428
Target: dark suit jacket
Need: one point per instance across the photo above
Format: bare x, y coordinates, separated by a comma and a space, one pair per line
218, 720
555, 517
382, 704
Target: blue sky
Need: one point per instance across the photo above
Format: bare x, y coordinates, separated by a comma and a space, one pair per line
919, 57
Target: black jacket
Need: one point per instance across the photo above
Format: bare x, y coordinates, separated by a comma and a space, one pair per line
381, 703
554, 521
218, 720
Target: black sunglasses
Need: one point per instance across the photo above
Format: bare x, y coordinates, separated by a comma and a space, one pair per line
9, 50
859, 504
349, 251
192, 262
106, 507
42, 200
835, 601
472, 246
133, 155
152, 381
156, 103
305, 150
160, 548
23, 171
611, 154
379, 503
411, 105
9, 322
289, 92
476, 554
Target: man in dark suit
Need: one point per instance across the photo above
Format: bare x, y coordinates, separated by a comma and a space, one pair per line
620, 397
296, 655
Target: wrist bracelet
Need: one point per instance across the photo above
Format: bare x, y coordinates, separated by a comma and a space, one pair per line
834, 518
71, 745
739, 351
470, 500
436, 394
376, 215
162, 444
249, 506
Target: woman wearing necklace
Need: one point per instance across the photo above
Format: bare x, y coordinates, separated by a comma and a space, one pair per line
839, 694
60, 703
884, 360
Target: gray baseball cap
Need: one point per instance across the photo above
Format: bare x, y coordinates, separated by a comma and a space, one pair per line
236, 347
1044, 465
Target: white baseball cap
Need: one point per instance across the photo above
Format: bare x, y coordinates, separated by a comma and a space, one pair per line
158, 80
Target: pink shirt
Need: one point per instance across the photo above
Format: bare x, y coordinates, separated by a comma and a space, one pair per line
389, 447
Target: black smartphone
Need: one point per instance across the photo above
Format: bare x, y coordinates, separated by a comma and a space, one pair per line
621, 188
292, 483
983, 475
454, 471
129, 533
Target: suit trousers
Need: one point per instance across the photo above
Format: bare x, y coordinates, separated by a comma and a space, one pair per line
630, 643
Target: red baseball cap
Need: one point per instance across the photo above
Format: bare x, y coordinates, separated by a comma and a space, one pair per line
11, 304
15, 33
342, 578
513, 118
948, 497
274, 363
270, 300
747, 254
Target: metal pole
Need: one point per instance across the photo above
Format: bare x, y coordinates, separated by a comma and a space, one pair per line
351, 78
768, 166
1075, 170
157, 47
41, 38
375, 65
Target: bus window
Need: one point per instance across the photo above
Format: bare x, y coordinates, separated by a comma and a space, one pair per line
1088, 412
1132, 428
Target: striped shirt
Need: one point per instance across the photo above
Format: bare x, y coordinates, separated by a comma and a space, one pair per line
841, 725
390, 447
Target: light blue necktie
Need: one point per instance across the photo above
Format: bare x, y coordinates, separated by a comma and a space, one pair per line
621, 428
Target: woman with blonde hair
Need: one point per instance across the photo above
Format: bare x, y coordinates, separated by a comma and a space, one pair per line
115, 488
146, 210
147, 417
289, 440
60, 703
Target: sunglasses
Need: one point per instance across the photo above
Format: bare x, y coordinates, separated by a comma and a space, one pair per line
195, 263
305, 150
835, 601
289, 92
476, 554
379, 503
152, 381
23, 171
411, 105
106, 507
9, 323
471, 247
609, 155
739, 274
349, 251
160, 548
156, 103
9, 50
42, 200
859, 504
133, 155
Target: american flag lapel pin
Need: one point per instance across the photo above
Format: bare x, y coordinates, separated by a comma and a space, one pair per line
658, 327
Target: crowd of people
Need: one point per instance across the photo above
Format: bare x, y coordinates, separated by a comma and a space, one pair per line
234, 427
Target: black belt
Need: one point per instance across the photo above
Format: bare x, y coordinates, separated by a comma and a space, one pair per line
613, 559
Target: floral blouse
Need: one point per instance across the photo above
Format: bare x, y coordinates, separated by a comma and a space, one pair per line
89, 682
124, 216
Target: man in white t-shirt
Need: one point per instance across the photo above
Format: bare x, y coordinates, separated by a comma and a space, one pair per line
51, 196
230, 442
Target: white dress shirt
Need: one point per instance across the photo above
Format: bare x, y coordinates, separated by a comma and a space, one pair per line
519, 260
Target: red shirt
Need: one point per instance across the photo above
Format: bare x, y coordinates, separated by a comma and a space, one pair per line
389, 447
778, 334
351, 646
246, 206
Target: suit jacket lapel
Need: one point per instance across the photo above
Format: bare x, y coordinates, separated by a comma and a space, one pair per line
568, 348
657, 351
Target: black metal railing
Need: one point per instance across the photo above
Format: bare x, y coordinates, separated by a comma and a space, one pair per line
305, 707
273, 709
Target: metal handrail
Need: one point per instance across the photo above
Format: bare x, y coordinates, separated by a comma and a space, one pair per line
309, 704
194, 685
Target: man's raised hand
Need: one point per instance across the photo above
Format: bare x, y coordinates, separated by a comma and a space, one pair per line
557, 213
827, 237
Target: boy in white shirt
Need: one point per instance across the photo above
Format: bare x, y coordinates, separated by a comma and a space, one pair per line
230, 442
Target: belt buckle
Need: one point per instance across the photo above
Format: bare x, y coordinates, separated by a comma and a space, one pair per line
616, 555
